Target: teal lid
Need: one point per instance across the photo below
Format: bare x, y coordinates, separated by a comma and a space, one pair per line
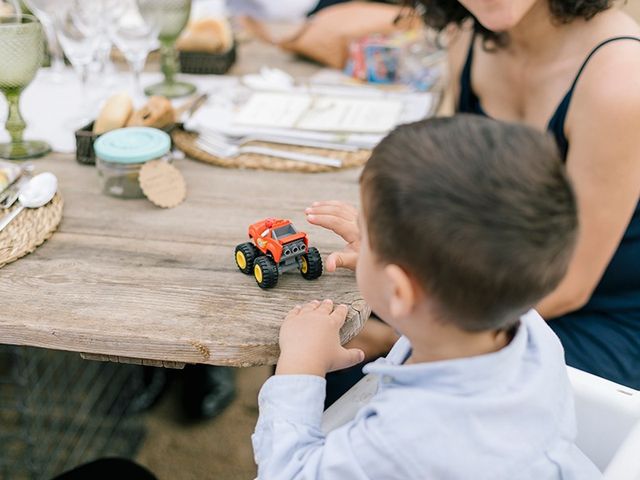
132, 145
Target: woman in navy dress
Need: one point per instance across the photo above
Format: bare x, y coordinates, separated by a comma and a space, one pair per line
572, 68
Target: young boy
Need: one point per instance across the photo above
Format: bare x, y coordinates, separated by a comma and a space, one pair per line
465, 224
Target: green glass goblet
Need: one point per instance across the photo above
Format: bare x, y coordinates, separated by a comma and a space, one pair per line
170, 17
21, 53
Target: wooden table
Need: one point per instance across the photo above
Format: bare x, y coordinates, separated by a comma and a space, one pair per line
124, 280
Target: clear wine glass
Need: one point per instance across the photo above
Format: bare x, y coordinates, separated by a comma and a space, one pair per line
78, 32
171, 16
45, 11
135, 37
21, 53
108, 12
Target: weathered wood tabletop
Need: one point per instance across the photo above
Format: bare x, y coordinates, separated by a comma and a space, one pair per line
127, 281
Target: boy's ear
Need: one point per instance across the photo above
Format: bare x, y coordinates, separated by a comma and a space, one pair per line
403, 294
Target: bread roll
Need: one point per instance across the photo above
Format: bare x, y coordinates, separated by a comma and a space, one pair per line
114, 114
6, 9
157, 113
208, 35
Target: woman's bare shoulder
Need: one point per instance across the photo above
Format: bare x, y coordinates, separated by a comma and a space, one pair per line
612, 23
607, 95
613, 72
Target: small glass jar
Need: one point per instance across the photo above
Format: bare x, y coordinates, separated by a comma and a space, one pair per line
120, 154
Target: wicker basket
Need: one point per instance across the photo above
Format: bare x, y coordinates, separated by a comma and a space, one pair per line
207, 63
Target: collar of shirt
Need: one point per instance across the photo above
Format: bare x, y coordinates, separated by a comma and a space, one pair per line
460, 376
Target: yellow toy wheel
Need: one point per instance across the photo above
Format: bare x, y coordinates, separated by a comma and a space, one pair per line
241, 260
265, 272
245, 255
257, 272
311, 264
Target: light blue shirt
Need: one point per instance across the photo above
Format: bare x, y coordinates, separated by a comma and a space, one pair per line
505, 415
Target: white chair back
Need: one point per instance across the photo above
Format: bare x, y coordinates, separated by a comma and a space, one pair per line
608, 417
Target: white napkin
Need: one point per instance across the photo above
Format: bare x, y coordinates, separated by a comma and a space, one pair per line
220, 113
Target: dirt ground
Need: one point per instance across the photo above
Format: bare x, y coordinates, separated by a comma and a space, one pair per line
219, 449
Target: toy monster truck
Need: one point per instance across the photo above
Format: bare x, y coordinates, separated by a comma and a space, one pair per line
276, 247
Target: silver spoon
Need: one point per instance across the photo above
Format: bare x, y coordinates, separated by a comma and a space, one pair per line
35, 194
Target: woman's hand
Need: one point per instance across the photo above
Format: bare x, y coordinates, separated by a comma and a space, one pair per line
310, 341
341, 219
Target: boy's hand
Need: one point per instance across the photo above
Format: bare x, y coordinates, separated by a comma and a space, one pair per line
341, 219
310, 341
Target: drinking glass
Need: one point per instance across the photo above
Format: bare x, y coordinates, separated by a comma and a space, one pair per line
78, 32
171, 16
135, 37
21, 53
108, 12
45, 10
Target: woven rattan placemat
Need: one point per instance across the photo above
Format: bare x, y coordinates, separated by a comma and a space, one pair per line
186, 141
29, 230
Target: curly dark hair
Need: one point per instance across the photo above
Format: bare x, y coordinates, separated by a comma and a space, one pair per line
441, 13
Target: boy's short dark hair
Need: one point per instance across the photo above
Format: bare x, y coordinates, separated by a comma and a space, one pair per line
480, 212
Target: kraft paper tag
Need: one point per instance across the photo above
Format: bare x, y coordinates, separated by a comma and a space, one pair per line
162, 184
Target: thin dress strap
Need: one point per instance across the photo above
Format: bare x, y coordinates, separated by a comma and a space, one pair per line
556, 124
468, 101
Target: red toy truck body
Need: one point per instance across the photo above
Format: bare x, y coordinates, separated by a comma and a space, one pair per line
271, 236
276, 247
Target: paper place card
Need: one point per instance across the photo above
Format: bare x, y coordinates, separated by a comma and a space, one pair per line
162, 184
323, 113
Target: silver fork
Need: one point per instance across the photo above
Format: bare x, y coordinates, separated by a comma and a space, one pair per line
224, 149
282, 139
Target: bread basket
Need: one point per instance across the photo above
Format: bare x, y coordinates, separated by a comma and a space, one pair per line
202, 63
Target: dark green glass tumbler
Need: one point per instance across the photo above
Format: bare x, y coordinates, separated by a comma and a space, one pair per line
21, 53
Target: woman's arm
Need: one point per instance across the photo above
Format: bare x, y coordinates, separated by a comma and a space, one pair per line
603, 128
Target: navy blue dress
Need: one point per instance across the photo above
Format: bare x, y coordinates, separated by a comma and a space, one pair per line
603, 337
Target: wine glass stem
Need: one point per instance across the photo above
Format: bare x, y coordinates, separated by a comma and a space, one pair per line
57, 60
169, 60
83, 70
137, 90
136, 68
15, 124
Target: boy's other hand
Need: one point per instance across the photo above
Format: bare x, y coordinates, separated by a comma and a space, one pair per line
310, 341
342, 219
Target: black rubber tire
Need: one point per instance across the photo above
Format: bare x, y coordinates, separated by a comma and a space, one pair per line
314, 264
269, 271
250, 252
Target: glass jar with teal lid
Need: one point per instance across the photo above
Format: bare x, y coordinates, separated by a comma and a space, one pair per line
120, 154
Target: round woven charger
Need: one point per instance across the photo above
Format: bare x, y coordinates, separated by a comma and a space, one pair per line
29, 230
186, 141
